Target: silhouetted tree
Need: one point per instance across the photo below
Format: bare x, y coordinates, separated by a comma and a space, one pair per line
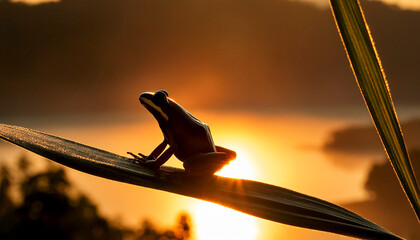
182, 230
48, 211
6, 205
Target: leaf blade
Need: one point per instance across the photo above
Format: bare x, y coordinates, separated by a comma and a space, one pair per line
373, 85
251, 197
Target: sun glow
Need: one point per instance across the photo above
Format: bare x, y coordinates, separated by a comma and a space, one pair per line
241, 167
35, 2
214, 222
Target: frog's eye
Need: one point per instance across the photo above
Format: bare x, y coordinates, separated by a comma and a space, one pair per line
164, 92
160, 97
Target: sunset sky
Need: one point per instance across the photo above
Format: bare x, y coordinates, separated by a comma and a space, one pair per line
270, 77
90, 56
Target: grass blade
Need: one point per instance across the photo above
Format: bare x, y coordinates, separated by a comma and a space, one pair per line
369, 74
251, 197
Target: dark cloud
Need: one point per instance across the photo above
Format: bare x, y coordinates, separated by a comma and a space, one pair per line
388, 206
91, 55
362, 139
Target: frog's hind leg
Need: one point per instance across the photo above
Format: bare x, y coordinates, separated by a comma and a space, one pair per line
206, 163
230, 153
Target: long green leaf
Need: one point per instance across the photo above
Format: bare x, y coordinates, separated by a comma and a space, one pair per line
369, 74
254, 198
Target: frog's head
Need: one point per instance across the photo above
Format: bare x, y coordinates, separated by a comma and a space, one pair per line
156, 103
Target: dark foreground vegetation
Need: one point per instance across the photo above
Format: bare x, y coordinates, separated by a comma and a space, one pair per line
35, 205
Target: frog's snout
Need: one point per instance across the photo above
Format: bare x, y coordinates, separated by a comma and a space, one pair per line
157, 98
144, 97
153, 102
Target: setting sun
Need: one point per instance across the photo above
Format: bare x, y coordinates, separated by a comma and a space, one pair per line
241, 167
216, 222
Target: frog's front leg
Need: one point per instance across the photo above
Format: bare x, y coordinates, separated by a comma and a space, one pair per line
209, 163
141, 158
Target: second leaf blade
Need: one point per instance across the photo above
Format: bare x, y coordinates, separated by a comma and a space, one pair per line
370, 77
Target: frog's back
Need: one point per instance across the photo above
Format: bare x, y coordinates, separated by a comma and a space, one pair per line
198, 140
189, 135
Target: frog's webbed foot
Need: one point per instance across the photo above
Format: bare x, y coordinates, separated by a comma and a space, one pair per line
139, 159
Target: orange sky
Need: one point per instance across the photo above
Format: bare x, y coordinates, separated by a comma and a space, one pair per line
85, 56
